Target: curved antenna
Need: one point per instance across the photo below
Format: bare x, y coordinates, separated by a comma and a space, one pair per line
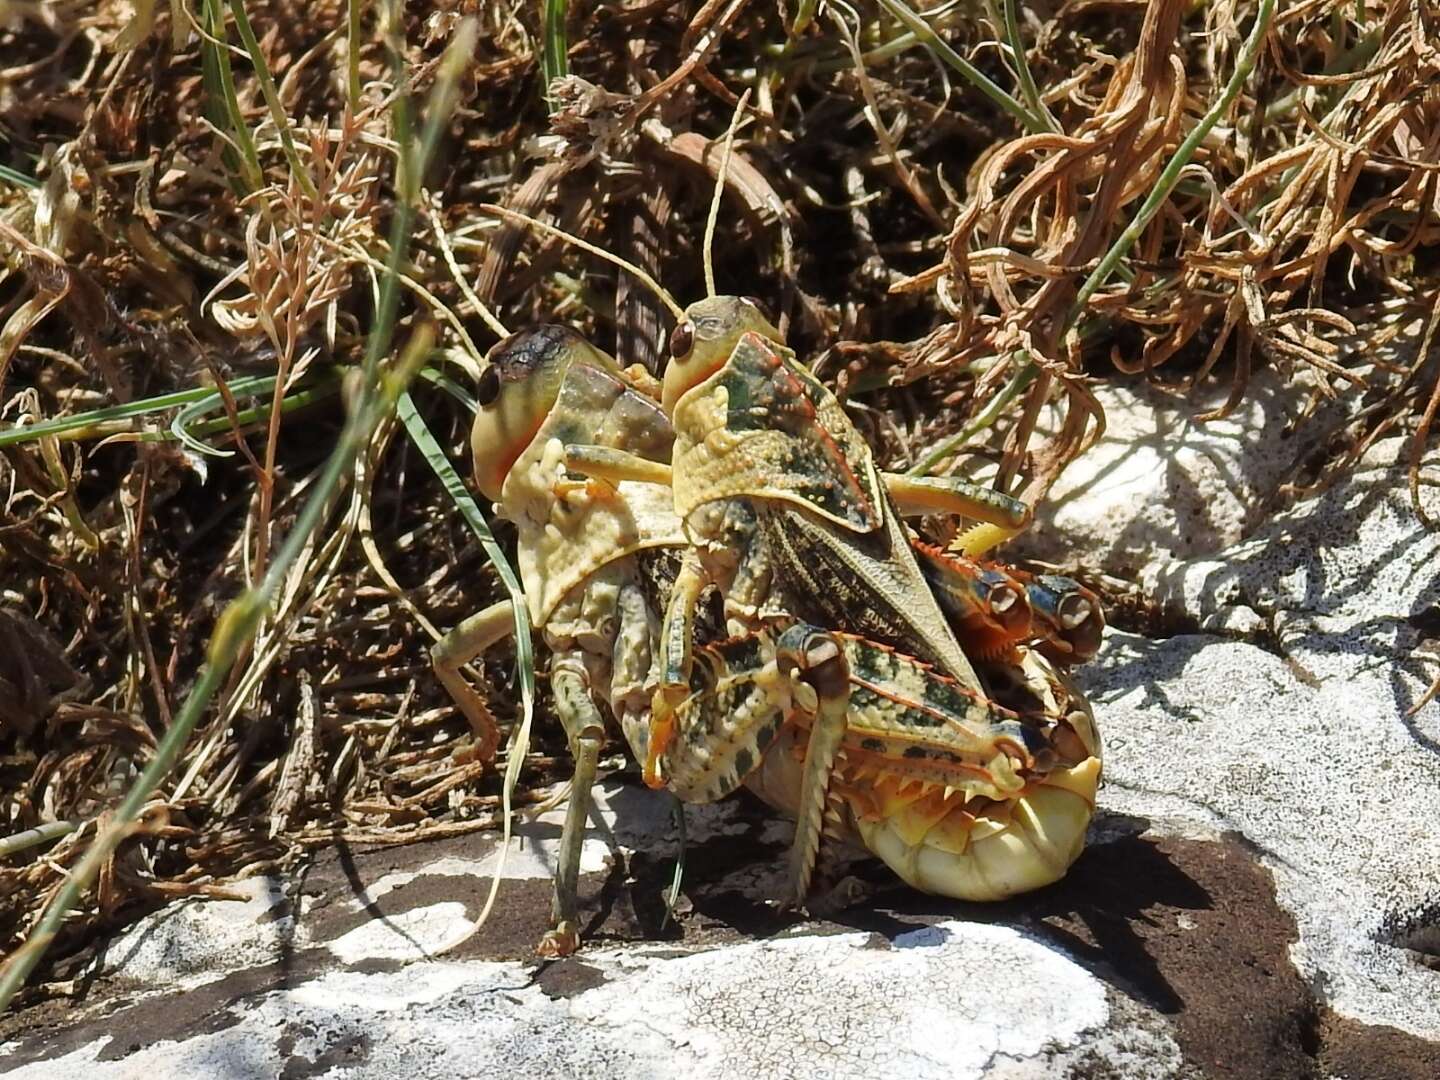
720, 191
585, 245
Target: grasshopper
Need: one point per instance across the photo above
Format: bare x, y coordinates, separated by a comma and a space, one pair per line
587, 554
784, 508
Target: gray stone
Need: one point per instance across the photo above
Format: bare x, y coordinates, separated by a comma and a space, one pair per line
1307, 747
1161, 485
951, 1000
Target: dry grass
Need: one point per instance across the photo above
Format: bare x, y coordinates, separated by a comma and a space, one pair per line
923, 245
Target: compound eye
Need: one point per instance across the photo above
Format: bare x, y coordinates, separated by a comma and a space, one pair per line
682, 340
488, 388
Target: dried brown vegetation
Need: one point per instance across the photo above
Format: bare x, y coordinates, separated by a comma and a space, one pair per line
925, 248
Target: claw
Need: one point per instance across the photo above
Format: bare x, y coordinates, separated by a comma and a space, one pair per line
662, 731
561, 941
590, 487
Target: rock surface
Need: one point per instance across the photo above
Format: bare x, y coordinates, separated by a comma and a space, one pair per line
1159, 485
343, 979
1304, 738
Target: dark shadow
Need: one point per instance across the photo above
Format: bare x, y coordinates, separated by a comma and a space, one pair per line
1118, 888
1091, 914
346, 859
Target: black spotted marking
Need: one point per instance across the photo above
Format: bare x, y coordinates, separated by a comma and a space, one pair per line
876, 746
867, 700
519, 355
744, 762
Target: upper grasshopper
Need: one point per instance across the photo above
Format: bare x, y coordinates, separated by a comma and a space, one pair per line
785, 510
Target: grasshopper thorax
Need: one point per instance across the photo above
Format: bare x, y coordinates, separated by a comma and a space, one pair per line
702, 343
516, 392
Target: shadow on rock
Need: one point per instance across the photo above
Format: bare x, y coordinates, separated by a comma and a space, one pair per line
1094, 913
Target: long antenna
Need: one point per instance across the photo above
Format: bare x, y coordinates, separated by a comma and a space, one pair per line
720, 191
585, 245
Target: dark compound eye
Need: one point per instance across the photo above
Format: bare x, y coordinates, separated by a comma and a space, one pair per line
488, 388
682, 340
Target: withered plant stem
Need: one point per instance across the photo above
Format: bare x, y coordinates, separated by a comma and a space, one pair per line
1170, 175
376, 393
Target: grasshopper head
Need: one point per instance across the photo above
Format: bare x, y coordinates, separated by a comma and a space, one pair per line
516, 392
702, 343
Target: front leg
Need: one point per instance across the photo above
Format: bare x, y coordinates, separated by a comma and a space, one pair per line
586, 731
457, 648
676, 661
606, 463
917, 495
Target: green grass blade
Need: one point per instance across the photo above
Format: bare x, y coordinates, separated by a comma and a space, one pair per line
272, 97
977, 78
555, 47
81, 424
1170, 175
352, 54
190, 420
19, 179
41, 834
672, 895
451, 387
222, 106
439, 463
1028, 89
1025, 373
188, 425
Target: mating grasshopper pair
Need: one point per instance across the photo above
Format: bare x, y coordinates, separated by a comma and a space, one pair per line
976, 784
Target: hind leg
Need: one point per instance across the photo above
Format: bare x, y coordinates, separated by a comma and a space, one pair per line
821, 700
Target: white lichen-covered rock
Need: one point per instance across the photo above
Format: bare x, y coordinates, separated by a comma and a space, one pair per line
1307, 745
1161, 485
1345, 585
950, 1001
